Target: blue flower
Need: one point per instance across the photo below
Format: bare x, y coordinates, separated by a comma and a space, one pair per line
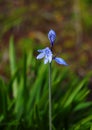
52, 36
46, 54
60, 61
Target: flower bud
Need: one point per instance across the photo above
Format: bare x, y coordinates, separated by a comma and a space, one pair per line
52, 36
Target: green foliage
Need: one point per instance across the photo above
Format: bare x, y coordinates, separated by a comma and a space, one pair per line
28, 109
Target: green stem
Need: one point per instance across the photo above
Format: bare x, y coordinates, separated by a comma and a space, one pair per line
50, 109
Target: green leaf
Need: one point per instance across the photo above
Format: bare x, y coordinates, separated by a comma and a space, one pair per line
83, 105
75, 92
13, 67
3, 98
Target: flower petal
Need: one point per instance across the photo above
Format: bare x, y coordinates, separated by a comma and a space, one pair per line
60, 61
45, 61
50, 58
40, 56
41, 50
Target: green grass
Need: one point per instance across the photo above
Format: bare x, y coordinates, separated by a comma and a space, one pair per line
24, 99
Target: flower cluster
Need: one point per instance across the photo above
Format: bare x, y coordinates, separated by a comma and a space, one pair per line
47, 53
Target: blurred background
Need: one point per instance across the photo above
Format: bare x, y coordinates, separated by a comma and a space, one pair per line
24, 26
71, 19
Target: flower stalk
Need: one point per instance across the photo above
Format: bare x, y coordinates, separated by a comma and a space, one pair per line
50, 102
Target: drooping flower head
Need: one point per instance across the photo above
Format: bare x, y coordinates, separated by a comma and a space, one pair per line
52, 36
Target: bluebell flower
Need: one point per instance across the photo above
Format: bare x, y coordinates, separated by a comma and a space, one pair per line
52, 36
46, 54
60, 61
